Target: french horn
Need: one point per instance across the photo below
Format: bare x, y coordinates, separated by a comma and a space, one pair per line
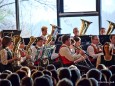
84, 26
111, 28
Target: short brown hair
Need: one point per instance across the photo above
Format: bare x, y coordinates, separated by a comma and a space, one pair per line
44, 28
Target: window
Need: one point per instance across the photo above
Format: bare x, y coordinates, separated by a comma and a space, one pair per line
7, 15
36, 13
108, 12
79, 5
68, 23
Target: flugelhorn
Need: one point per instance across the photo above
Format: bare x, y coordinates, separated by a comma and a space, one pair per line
110, 28
84, 26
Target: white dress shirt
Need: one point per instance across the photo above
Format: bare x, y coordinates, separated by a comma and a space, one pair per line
90, 51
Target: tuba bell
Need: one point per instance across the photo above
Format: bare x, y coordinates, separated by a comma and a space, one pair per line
110, 28
84, 26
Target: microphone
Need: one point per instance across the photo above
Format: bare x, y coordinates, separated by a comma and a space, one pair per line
55, 26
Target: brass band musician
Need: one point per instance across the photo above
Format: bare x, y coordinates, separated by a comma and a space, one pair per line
6, 57
94, 50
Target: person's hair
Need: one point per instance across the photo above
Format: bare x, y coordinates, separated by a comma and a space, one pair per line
110, 37
64, 73
22, 40
5, 41
47, 72
93, 36
107, 73
77, 38
7, 71
94, 82
112, 69
65, 82
5, 82
101, 66
21, 73
27, 70
40, 68
65, 38
107, 43
54, 74
15, 79
75, 75
3, 75
27, 81
43, 28
94, 73
72, 41
50, 67
112, 80
42, 81
37, 74
102, 28
39, 38
84, 82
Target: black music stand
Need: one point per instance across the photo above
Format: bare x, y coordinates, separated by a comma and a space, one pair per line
10, 32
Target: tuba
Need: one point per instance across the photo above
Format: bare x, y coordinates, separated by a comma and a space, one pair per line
16, 40
110, 28
84, 27
29, 51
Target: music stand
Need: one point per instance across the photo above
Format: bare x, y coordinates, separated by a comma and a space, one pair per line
10, 32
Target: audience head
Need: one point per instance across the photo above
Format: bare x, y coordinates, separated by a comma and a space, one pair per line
37, 74
84, 82
94, 82
65, 82
27, 81
54, 74
40, 68
27, 70
5, 82
14, 78
101, 66
47, 72
112, 80
94, 73
21, 73
64, 73
3, 75
50, 67
112, 69
7, 71
107, 73
42, 81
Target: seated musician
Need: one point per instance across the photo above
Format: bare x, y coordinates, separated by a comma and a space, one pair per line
22, 53
37, 51
6, 58
65, 54
94, 50
112, 44
107, 59
77, 48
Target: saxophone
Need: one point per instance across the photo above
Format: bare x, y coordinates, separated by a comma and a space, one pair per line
16, 40
84, 27
110, 28
29, 51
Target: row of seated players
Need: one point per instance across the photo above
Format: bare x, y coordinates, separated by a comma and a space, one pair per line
68, 53
52, 76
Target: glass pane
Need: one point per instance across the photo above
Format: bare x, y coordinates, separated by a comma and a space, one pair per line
68, 23
108, 12
36, 13
7, 15
79, 5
